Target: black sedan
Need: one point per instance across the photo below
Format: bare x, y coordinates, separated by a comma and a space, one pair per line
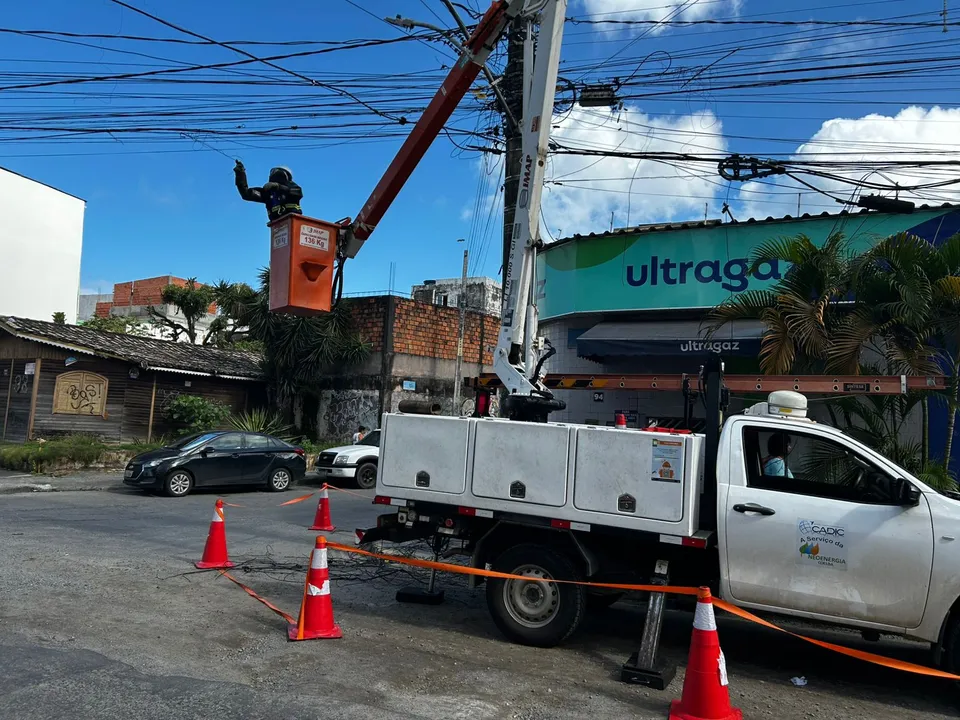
218, 458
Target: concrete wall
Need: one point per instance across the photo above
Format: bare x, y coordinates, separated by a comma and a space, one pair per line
87, 306
41, 239
413, 357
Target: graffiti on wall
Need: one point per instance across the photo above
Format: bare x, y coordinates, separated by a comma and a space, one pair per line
165, 396
22, 383
341, 411
80, 393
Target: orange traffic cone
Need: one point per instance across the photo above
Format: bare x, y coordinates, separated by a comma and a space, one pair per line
316, 609
322, 520
215, 551
705, 695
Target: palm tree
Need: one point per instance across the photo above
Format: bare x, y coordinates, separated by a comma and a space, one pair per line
908, 301
300, 351
801, 310
901, 299
881, 422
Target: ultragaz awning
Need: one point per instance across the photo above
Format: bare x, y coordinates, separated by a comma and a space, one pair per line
668, 339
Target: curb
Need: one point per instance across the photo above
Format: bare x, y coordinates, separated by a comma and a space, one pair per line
45, 487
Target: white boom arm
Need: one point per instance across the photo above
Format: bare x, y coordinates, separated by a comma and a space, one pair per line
518, 358
518, 347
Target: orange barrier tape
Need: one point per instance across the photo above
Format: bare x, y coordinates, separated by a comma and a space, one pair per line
464, 570
849, 652
297, 500
348, 492
230, 504
256, 597
881, 660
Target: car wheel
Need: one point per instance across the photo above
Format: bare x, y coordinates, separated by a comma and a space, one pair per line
280, 480
367, 476
178, 483
537, 611
950, 659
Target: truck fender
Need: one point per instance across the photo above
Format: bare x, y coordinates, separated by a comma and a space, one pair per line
548, 536
368, 458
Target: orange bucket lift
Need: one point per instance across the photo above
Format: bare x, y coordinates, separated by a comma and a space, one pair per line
302, 254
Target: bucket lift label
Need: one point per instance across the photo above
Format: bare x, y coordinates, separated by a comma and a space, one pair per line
280, 235
667, 461
314, 237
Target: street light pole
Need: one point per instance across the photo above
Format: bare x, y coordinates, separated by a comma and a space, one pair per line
462, 302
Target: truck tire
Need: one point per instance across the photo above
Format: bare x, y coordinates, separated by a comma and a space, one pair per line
536, 612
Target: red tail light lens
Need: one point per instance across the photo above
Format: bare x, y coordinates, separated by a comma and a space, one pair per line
483, 404
300, 452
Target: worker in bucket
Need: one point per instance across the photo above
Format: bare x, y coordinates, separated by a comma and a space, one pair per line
778, 448
281, 195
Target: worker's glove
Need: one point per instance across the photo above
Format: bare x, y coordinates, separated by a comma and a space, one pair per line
238, 168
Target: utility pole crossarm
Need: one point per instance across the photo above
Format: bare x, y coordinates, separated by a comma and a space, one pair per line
476, 51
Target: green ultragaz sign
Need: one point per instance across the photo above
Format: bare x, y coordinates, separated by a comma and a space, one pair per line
697, 267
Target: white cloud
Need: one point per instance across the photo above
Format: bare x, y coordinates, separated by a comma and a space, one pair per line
634, 191
914, 133
657, 10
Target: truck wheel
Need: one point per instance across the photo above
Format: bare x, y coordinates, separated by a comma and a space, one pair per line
537, 611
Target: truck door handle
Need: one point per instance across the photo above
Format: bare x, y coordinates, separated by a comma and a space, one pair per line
754, 508
235, 455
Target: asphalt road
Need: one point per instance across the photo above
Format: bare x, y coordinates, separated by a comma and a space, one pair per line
103, 616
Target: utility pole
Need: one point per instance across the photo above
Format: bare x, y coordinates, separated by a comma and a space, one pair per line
462, 302
513, 94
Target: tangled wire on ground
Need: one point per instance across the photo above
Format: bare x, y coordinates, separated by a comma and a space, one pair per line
345, 569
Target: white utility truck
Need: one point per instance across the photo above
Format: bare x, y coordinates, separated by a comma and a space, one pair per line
803, 520
772, 510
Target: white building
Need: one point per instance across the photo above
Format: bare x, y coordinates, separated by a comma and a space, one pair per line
483, 294
41, 238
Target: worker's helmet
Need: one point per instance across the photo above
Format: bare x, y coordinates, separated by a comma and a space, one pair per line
281, 173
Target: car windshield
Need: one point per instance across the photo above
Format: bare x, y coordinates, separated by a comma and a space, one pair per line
191, 441
372, 438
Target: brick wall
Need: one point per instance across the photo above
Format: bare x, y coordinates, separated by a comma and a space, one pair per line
426, 330
368, 319
138, 293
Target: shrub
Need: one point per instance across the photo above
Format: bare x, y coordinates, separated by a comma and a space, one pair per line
196, 414
38, 455
261, 421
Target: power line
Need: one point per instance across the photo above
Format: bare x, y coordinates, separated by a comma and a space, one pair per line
241, 51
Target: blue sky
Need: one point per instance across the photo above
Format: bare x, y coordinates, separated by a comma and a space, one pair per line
165, 203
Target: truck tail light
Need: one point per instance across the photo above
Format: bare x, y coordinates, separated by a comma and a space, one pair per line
482, 408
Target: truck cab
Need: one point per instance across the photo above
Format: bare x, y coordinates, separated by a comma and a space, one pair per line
813, 523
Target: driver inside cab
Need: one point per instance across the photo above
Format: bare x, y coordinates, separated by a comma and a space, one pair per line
778, 448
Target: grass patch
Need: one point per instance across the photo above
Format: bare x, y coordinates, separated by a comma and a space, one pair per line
38, 455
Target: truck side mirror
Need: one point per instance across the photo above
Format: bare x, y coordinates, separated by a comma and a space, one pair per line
906, 494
